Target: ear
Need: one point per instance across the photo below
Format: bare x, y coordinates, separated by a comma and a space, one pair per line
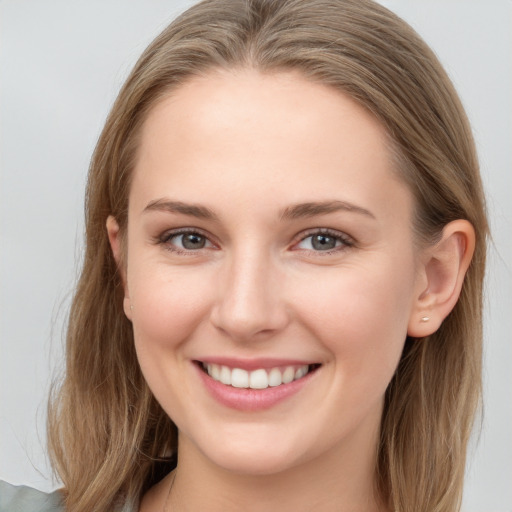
114, 237
442, 272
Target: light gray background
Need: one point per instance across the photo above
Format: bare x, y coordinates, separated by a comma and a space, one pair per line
61, 63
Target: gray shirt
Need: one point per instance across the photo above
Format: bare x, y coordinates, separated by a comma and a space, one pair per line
19, 498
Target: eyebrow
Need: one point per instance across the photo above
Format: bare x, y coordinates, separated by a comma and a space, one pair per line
305, 210
164, 205
297, 211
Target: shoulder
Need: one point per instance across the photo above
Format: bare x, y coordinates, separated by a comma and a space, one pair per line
18, 498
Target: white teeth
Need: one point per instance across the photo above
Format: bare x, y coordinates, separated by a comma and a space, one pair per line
225, 375
275, 378
257, 379
300, 372
216, 371
239, 378
288, 374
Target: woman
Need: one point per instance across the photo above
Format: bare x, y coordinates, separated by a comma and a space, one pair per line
277, 298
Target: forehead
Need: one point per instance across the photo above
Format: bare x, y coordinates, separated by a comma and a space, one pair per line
247, 134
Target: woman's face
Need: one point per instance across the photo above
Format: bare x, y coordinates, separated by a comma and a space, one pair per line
268, 238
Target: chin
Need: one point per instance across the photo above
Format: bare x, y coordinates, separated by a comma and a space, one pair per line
255, 463
252, 455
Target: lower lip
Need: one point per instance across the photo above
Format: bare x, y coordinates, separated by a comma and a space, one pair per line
244, 399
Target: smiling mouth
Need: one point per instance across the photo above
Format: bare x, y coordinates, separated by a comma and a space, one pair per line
257, 379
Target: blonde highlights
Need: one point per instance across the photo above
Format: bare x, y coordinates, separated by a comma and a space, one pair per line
109, 438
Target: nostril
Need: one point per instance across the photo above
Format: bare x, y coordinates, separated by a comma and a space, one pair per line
244, 324
248, 306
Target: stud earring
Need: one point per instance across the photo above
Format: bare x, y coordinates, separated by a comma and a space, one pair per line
425, 318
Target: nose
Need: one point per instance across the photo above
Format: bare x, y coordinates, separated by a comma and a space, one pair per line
250, 303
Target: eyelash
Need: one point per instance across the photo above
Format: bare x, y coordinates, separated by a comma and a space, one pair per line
346, 241
165, 238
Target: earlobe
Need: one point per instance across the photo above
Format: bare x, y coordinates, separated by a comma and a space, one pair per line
114, 237
443, 271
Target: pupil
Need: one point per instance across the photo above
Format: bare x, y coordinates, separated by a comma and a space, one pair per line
323, 242
193, 241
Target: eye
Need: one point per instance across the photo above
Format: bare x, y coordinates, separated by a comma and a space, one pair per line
184, 241
324, 241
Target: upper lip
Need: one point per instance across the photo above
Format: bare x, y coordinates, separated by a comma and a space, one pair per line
253, 363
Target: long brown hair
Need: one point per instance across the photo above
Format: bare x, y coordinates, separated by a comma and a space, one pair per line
107, 434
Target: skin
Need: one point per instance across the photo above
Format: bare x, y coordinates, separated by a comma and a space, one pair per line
249, 147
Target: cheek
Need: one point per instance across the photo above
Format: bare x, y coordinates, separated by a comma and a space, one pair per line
169, 309
167, 305
361, 316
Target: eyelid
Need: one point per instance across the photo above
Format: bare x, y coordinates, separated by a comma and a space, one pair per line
163, 239
346, 240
